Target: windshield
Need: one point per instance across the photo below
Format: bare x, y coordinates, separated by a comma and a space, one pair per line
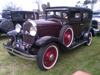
54, 14
57, 14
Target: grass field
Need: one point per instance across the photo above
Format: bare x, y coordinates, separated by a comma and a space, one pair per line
83, 58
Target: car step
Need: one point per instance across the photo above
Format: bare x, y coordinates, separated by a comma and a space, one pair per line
76, 44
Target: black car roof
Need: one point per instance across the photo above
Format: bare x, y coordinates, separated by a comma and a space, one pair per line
64, 8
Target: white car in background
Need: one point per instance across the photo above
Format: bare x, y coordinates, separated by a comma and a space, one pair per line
96, 22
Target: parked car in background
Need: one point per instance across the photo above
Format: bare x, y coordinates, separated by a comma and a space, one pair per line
96, 22
11, 18
64, 28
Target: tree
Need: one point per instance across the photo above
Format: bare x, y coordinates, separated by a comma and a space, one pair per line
91, 2
38, 2
86, 2
44, 6
11, 6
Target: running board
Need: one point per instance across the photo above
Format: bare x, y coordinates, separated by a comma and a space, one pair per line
20, 54
76, 44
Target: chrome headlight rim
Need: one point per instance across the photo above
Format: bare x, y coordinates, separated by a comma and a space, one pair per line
33, 28
18, 28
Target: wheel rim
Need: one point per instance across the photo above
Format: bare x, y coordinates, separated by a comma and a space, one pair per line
89, 39
50, 57
68, 37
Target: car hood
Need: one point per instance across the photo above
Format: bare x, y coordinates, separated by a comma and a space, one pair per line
45, 27
43, 22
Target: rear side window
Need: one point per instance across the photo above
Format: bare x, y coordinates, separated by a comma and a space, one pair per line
85, 15
75, 15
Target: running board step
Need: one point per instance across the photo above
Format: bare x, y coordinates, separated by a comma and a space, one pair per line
76, 44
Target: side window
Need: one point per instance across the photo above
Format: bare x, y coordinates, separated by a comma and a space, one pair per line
65, 16
85, 15
17, 16
75, 16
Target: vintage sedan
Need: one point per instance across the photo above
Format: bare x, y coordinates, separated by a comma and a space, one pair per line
64, 28
11, 18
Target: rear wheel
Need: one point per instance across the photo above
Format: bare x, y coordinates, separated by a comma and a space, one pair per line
67, 35
89, 39
47, 56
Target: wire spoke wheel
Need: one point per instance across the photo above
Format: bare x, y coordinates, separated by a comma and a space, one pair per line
68, 36
47, 56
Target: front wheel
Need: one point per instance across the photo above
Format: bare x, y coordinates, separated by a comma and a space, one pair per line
47, 56
89, 39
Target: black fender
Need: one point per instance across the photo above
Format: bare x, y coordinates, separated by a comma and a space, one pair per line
92, 31
49, 39
45, 40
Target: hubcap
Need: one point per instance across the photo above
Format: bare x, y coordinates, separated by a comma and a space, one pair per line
68, 36
50, 56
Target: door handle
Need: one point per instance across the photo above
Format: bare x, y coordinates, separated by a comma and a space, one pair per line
81, 24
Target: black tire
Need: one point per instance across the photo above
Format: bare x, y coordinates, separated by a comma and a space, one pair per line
93, 33
66, 40
47, 56
0, 34
89, 39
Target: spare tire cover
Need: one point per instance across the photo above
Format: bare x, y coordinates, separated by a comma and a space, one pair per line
6, 25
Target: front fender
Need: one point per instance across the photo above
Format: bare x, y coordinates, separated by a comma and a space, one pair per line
48, 39
45, 40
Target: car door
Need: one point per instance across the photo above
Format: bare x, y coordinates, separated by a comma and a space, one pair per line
85, 21
75, 20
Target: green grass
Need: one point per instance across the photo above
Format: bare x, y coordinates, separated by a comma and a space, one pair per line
83, 58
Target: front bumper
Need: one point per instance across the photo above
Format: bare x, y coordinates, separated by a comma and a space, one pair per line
18, 53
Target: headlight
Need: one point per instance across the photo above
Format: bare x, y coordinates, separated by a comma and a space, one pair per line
33, 29
18, 28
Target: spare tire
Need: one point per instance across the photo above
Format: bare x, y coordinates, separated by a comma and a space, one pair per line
6, 25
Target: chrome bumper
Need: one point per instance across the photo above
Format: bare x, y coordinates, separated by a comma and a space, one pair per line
19, 53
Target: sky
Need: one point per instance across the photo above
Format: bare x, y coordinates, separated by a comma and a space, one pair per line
30, 4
